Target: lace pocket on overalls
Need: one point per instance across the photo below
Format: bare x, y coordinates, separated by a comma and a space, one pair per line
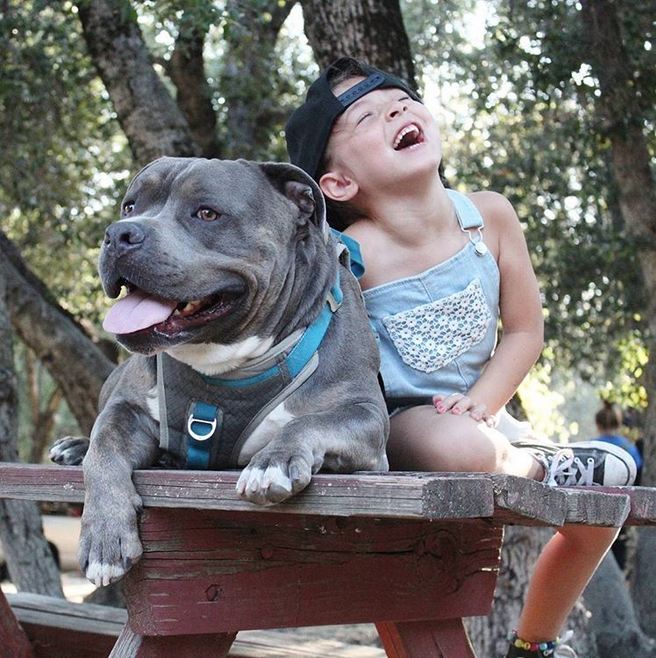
430, 336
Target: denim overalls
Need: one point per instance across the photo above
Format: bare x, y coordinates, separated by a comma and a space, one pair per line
437, 330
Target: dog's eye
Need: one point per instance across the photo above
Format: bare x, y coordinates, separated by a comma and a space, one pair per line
128, 207
207, 214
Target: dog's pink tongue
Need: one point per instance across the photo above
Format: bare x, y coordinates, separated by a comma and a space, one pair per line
137, 311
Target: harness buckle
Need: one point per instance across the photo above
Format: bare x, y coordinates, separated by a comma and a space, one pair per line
335, 298
201, 437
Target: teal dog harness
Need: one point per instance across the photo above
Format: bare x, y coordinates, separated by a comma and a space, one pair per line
206, 420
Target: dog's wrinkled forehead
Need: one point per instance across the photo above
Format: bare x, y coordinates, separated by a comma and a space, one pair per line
236, 185
188, 178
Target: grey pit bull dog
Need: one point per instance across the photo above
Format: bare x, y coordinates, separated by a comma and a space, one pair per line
252, 346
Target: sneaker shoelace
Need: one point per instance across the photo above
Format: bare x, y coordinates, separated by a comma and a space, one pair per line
567, 470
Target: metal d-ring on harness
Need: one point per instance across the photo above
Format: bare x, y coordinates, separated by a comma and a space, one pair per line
470, 220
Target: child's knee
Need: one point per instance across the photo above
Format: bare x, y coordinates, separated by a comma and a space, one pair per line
472, 448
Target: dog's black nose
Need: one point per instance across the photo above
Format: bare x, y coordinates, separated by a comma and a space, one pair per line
124, 236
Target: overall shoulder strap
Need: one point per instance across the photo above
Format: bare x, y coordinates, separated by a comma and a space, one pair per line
467, 213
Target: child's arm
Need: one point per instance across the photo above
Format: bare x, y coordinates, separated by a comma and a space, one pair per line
521, 314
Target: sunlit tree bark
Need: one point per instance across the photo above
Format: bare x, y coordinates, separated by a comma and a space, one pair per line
622, 120
30, 563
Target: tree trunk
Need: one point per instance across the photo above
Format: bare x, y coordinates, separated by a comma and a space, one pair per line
370, 30
150, 118
613, 617
186, 69
622, 120
31, 565
521, 547
250, 74
73, 360
43, 415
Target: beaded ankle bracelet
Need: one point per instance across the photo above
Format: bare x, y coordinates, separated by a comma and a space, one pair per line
546, 648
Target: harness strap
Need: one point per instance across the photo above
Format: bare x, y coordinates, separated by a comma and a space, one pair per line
164, 438
205, 420
301, 353
350, 248
202, 424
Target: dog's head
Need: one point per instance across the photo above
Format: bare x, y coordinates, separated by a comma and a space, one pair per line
209, 250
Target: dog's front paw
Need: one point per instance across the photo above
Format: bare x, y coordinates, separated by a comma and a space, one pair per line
273, 476
109, 540
69, 451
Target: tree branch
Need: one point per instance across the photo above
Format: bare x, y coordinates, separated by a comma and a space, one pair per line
74, 361
150, 118
370, 30
250, 73
194, 95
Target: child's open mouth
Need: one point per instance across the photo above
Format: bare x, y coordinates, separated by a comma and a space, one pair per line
409, 136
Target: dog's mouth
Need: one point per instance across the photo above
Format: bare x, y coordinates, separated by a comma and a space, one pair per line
140, 311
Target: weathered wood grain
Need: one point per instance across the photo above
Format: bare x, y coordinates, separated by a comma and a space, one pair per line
211, 571
57, 627
643, 503
414, 495
272, 644
386, 495
420, 639
13, 641
522, 501
596, 508
50, 611
133, 645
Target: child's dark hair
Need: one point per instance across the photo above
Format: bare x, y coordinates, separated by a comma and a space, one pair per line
609, 417
341, 214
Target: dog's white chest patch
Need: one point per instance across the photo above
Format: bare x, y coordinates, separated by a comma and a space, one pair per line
213, 359
152, 402
264, 432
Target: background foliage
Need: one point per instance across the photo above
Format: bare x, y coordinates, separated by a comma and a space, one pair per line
512, 93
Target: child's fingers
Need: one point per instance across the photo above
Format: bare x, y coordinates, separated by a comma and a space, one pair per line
445, 404
463, 405
457, 403
478, 412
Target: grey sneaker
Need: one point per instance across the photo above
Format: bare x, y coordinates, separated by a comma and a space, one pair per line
586, 463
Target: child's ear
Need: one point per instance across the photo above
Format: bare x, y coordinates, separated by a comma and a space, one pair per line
337, 186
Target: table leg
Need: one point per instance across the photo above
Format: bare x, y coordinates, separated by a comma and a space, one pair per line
131, 645
437, 638
13, 641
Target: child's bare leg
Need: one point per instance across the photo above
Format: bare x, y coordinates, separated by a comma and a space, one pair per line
423, 440
561, 573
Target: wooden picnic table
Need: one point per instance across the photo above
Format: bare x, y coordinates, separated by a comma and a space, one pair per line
413, 553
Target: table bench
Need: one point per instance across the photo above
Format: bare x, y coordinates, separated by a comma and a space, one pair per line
413, 553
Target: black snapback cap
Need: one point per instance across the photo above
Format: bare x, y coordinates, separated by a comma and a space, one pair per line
308, 129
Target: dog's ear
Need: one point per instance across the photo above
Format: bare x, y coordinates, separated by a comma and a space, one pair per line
299, 188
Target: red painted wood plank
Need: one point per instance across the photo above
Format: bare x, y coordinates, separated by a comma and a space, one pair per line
445, 638
132, 645
206, 572
49, 642
13, 641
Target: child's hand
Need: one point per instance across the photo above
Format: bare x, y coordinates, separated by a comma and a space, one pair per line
460, 405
